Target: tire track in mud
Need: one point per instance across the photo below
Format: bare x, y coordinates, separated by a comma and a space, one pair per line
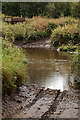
27, 96
65, 106
39, 106
54, 105
35, 102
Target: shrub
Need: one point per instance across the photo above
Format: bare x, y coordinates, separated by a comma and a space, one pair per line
25, 32
13, 32
13, 67
65, 35
36, 28
51, 26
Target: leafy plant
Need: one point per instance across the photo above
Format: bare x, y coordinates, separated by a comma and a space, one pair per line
68, 34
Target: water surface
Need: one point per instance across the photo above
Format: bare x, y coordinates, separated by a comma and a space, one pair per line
49, 68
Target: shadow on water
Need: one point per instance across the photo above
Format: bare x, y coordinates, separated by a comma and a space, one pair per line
49, 68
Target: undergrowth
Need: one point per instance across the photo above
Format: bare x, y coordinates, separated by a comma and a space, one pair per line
13, 67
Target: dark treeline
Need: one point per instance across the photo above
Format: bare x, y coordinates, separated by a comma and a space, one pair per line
30, 9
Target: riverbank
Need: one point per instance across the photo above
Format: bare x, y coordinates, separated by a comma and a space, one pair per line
33, 101
46, 43
43, 43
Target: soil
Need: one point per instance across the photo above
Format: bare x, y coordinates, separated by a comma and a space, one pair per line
33, 101
43, 43
37, 44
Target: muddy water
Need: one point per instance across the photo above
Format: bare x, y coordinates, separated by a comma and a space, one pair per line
49, 68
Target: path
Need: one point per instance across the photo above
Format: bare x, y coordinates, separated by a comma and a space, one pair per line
35, 102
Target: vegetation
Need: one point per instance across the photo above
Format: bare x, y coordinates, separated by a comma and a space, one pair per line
68, 34
13, 67
35, 29
76, 63
68, 48
53, 10
58, 20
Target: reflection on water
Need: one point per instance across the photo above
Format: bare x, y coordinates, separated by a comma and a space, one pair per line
48, 68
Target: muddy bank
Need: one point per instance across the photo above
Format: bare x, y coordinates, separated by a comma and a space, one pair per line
33, 101
43, 43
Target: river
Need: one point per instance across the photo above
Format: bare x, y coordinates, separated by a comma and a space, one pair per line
49, 68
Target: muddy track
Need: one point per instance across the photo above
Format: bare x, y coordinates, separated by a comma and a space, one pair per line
36, 102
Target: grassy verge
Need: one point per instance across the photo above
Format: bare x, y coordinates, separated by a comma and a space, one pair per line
13, 67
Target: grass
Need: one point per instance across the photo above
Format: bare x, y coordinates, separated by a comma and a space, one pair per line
13, 67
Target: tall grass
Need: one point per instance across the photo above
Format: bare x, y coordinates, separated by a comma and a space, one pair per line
13, 67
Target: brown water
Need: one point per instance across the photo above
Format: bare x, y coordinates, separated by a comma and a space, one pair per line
49, 68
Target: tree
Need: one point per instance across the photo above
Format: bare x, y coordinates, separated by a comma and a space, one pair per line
11, 8
75, 9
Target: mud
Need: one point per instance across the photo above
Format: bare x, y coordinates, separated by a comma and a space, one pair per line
33, 101
44, 43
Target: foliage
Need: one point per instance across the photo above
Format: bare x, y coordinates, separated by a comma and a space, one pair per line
75, 9
29, 9
13, 67
56, 9
50, 9
76, 66
3, 15
35, 29
12, 32
68, 34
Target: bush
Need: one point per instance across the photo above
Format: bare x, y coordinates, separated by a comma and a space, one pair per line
13, 67
51, 26
68, 34
37, 28
29, 31
13, 32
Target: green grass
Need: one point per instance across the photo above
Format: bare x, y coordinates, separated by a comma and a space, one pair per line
13, 67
